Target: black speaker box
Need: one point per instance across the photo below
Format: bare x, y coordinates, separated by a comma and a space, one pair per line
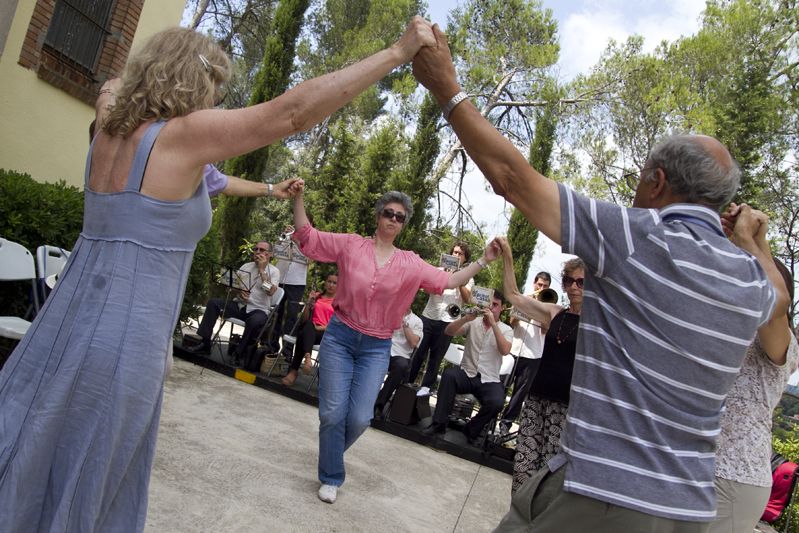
407, 408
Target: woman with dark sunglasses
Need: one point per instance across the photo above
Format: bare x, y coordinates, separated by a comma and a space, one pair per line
378, 282
544, 413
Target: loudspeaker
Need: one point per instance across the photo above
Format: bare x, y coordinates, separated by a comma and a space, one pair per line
407, 408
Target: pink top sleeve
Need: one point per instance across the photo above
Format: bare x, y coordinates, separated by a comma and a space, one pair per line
369, 299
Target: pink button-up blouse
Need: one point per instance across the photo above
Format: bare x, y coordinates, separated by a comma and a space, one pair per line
368, 299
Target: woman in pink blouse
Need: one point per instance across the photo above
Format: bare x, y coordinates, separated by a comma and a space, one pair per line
377, 284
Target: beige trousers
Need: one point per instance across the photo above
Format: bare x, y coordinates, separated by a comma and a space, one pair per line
540, 505
740, 506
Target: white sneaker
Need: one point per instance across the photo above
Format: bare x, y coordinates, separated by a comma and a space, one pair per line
423, 391
327, 493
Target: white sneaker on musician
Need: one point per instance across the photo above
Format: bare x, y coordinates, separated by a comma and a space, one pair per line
423, 391
327, 493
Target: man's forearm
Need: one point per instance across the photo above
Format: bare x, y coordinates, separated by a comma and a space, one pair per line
453, 328
507, 170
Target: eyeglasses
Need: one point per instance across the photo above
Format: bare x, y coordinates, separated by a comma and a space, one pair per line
390, 213
256, 250
632, 178
568, 280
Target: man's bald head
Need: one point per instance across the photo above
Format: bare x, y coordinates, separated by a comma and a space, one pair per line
698, 168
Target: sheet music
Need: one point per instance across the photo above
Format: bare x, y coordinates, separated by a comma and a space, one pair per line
234, 278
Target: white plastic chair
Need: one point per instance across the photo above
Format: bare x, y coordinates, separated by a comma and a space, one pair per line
50, 261
454, 354
507, 365
16, 264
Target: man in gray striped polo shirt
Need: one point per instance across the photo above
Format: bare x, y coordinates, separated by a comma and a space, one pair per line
670, 307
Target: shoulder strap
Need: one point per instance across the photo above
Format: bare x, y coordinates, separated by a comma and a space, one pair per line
88, 171
139, 165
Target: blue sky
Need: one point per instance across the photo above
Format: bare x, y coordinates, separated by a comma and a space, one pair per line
584, 30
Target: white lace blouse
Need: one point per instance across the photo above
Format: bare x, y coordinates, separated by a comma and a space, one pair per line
744, 447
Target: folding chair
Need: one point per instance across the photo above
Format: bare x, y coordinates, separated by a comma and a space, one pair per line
50, 261
276, 298
507, 372
16, 264
266, 329
291, 336
315, 367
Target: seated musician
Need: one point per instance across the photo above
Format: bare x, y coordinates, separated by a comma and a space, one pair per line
487, 341
403, 341
319, 309
252, 304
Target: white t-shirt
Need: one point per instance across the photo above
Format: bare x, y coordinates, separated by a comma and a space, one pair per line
400, 347
528, 340
259, 299
436, 308
291, 272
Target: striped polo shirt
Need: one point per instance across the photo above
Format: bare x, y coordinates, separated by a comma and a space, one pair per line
670, 306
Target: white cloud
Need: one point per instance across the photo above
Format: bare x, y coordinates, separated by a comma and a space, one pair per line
585, 32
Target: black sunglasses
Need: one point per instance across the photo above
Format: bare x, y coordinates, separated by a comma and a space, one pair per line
390, 213
568, 280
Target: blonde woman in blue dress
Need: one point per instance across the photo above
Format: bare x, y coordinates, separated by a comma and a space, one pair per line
80, 397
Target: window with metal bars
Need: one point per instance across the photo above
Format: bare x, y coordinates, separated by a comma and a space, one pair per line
78, 29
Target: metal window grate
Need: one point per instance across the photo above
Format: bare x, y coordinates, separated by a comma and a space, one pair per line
78, 28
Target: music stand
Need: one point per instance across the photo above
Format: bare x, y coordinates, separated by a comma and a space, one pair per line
232, 279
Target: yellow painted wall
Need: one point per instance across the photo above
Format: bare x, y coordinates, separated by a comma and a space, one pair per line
44, 131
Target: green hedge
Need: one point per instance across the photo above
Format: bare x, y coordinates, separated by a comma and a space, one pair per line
33, 214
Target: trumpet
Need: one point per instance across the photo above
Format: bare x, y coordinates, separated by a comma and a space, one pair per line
285, 236
547, 296
455, 311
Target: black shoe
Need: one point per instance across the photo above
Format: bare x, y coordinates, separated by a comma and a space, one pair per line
473, 441
202, 348
434, 429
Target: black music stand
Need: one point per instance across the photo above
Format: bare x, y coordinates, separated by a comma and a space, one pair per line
232, 279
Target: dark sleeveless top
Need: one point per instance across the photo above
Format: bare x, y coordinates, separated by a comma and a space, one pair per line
554, 376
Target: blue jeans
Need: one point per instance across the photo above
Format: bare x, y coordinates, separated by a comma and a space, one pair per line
351, 370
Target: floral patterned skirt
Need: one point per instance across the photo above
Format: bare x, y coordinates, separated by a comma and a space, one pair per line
540, 427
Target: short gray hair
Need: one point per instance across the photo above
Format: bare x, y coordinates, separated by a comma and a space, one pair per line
694, 172
395, 197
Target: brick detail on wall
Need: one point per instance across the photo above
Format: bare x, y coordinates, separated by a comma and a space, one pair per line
62, 73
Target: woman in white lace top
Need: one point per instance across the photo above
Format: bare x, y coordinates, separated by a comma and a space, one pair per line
743, 467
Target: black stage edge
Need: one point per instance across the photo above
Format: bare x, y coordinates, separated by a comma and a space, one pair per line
452, 442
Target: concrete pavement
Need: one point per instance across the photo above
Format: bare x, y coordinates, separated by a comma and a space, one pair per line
232, 457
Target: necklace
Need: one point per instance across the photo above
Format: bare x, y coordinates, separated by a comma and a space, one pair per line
561, 340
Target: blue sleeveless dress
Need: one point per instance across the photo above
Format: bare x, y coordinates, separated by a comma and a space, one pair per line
80, 397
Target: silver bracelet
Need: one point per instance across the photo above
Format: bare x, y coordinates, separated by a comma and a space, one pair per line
454, 101
482, 262
268, 190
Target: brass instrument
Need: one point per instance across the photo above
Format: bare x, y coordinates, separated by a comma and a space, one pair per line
286, 236
456, 311
547, 296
